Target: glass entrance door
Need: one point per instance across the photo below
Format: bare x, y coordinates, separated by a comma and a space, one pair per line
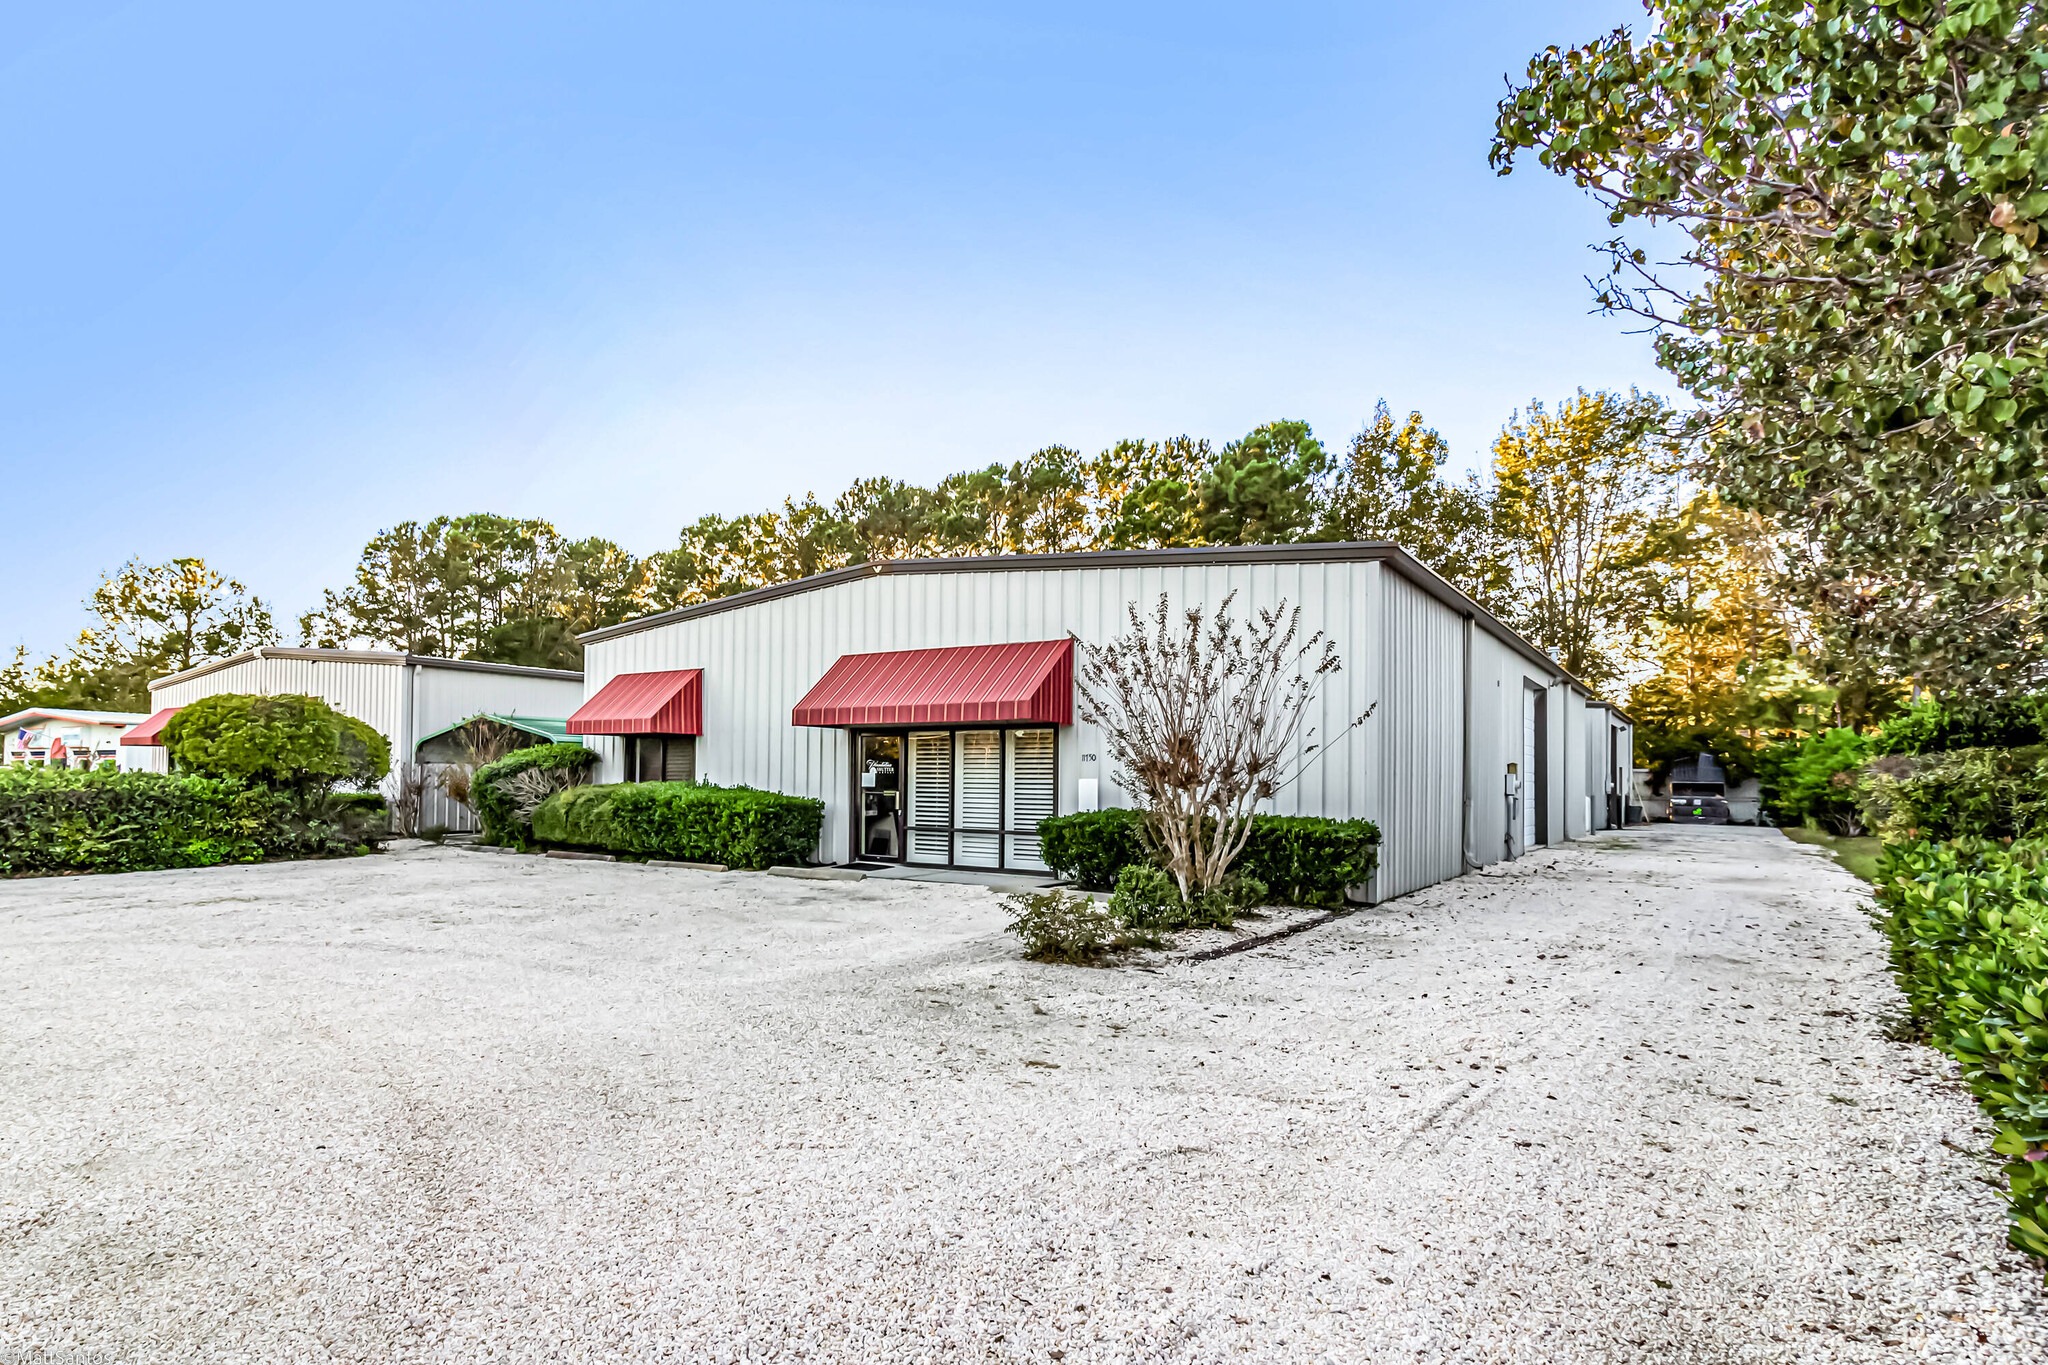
881, 797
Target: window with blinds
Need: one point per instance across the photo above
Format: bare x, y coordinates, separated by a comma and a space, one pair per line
1033, 794
664, 758
931, 796
978, 796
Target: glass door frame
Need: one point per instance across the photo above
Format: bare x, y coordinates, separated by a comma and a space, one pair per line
1003, 834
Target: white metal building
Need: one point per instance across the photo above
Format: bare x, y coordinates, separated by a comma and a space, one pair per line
930, 703
404, 697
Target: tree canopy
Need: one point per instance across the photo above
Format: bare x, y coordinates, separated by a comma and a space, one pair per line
1858, 307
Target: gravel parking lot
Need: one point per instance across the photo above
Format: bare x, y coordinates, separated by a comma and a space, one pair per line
1630, 1101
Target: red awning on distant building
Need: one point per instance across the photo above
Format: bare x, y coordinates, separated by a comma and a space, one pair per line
670, 703
148, 732
967, 685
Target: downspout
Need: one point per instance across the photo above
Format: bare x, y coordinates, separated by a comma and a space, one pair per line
1465, 758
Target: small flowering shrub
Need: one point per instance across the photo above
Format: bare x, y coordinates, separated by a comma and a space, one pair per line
1968, 923
1058, 926
1148, 900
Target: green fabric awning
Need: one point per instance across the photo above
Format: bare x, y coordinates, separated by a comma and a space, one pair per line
547, 728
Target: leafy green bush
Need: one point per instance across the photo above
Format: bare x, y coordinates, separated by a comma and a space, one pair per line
1057, 926
1147, 899
284, 741
1817, 779
365, 754
687, 821
1090, 848
56, 820
507, 794
1964, 793
1934, 727
1305, 860
1968, 923
580, 815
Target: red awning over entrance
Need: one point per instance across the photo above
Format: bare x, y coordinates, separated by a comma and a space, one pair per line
971, 684
150, 731
670, 703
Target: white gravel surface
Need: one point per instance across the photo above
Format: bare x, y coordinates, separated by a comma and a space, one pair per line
1631, 1101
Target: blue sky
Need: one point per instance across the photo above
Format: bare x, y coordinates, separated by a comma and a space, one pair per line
278, 276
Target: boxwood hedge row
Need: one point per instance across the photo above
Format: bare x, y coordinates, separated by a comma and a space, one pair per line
1304, 860
687, 821
59, 820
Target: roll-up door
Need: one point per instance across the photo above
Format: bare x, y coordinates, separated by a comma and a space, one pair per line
931, 796
1033, 794
978, 798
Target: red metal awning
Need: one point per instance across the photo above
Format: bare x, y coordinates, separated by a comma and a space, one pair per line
970, 684
149, 732
670, 703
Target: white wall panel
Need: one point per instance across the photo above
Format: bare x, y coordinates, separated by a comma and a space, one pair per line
448, 696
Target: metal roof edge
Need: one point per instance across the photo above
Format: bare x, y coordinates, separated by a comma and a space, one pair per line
735, 601
482, 666
1306, 552
359, 656
1300, 553
363, 656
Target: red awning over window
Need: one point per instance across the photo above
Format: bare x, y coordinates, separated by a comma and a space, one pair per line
971, 684
149, 732
670, 703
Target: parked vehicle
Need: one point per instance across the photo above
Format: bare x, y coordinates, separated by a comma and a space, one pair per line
1699, 810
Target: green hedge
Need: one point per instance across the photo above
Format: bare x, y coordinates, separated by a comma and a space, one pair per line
1304, 860
580, 815
54, 820
494, 807
1968, 923
1963, 793
687, 821
1091, 848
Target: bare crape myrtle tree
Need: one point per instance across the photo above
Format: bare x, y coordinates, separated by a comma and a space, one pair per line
1204, 719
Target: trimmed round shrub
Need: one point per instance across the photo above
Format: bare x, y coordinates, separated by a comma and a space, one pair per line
283, 741
365, 754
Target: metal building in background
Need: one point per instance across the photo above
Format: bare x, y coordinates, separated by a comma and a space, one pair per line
930, 703
404, 697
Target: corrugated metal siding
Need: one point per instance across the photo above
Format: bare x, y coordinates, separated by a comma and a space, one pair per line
1420, 721
449, 696
370, 692
759, 661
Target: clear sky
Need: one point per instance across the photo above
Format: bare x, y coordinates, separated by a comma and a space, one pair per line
278, 275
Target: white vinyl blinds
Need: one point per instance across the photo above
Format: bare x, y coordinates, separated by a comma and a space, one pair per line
978, 789
1033, 795
976, 796
931, 796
